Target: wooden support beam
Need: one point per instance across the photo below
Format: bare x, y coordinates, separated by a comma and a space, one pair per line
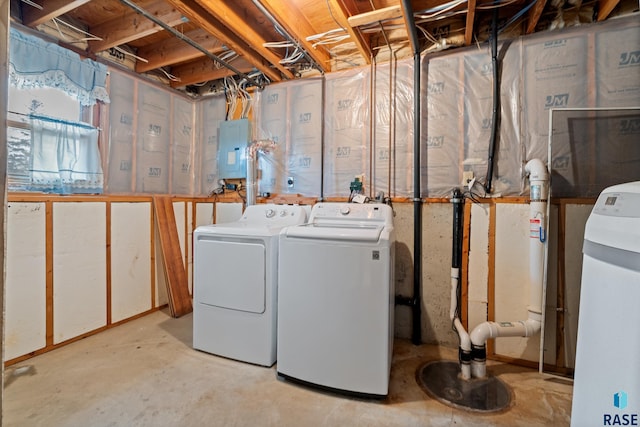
133, 26
175, 51
534, 15
605, 7
491, 279
204, 70
341, 15
49, 273
32, 16
197, 14
297, 25
228, 14
471, 17
384, 14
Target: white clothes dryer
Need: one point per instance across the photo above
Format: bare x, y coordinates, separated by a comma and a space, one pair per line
235, 283
336, 299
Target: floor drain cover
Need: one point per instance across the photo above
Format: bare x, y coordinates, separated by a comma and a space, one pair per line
441, 380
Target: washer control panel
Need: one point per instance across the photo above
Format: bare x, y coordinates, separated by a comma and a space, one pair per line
351, 212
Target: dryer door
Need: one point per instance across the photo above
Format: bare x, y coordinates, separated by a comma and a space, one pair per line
230, 273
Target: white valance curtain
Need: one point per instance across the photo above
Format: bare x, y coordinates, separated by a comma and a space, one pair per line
34, 62
64, 157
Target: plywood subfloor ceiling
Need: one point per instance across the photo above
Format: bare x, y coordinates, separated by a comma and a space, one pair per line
192, 45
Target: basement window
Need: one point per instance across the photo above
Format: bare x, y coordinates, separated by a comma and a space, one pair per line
49, 147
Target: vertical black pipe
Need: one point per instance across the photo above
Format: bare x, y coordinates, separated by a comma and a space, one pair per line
458, 203
496, 100
416, 301
416, 336
456, 248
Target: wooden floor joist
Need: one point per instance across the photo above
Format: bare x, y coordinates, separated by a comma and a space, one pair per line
175, 272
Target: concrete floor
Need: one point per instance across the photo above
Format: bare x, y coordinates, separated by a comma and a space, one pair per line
145, 373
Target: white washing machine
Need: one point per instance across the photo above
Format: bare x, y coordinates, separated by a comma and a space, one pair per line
606, 388
235, 283
336, 299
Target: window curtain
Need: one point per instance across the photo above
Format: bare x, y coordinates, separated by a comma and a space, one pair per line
64, 157
34, 62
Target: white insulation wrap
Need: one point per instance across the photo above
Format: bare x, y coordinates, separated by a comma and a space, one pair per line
211, 112
121, 133
346, 132
290, 114
478, 117
182, 159
591, 66
538, 73
555, 70
153, 137
441, 133
162, 131
393, 129
271, 116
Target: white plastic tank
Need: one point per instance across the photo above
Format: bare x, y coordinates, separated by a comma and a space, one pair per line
606, 388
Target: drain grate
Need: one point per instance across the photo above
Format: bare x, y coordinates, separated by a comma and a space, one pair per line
441, 380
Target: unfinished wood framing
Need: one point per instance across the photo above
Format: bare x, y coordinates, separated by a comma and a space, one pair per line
175, 272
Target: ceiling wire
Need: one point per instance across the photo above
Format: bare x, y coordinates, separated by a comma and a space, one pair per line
190, 42
32, 4
57, 21
334, 18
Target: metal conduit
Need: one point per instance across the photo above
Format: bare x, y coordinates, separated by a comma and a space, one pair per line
190, 42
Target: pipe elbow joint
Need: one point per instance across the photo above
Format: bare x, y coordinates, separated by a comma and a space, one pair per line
532, 327
482, 333
536, 170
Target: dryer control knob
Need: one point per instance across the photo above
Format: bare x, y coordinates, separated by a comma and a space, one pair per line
283, 213
345, 210
270, 213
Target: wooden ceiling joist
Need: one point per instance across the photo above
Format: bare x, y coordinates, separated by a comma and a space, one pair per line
295, 23
384, 14
196, 13
174, 50
32, 16
605, 7
471, 17
535, 14
226, 13
204, 70
342, 15
133, 26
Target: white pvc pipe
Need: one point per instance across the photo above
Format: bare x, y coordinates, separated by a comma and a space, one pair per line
538, 180
465, 341
251, 181
538, 183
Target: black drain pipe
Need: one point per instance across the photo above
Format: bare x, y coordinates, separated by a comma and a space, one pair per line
415, 302
456, 256
496, 100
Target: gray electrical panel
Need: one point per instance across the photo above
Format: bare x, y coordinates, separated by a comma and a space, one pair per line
232, 149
